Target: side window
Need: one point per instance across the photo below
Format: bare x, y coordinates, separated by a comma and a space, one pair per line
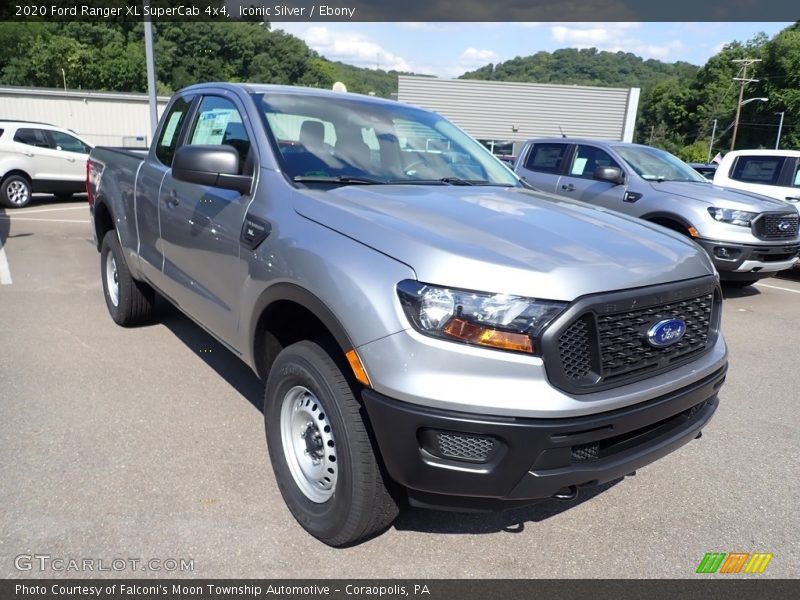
219, 122
168, 142
796, 178
758, 169
588, 159
32, 137
546, 158
68, 143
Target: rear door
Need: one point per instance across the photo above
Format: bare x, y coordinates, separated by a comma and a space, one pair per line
201, 226
39, 159
149, 181
579, 182
543, 163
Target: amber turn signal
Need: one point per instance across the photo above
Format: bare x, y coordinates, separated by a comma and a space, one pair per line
358, 368
475, 334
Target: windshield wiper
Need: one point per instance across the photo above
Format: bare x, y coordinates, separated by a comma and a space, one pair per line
343, 179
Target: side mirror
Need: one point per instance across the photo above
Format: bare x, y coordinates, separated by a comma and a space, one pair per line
214, 166
610, 174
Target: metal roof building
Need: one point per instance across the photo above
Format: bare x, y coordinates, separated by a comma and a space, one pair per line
101, 118
494, 111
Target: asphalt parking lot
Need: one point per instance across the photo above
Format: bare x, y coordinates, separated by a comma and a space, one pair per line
148, 443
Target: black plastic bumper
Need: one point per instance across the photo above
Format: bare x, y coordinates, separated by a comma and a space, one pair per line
740, 253
471, 456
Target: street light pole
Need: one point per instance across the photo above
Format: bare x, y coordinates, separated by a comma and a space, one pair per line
780, 127
151, 74
711, 145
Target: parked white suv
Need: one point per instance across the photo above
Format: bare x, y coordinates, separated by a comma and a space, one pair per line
36, 157
773, 173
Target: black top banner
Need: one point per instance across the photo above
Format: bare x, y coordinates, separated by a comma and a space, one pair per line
400, 10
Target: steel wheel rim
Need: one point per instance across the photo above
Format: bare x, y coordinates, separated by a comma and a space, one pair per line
17, 192
308, 444
112, 279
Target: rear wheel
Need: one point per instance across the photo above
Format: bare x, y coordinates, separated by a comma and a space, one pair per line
15, 191
320, 448
129, 302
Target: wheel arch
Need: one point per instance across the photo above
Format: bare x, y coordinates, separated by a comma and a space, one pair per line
669, 220
103, 220
290, 313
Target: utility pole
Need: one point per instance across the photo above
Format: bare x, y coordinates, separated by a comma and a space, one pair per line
743, 81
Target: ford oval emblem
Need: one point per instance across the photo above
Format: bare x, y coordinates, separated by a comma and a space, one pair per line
666, 332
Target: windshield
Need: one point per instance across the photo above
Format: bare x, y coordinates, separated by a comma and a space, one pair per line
354, 140
653, 164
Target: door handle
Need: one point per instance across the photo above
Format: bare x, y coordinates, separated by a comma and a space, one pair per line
71, 159
28, 153
793, 198
172, 199
568, 187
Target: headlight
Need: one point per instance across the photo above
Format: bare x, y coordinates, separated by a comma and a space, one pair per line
494, 320
734, 217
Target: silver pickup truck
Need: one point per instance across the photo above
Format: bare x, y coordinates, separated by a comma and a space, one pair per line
427, 327
748, 236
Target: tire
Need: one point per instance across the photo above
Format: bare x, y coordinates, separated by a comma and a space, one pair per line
309, 405
15, 191
63, 196
129, 302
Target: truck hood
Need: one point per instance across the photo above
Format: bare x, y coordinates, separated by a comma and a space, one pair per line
505, 240
721, 197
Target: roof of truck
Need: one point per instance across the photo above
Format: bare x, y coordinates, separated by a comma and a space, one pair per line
264, 88
762, 152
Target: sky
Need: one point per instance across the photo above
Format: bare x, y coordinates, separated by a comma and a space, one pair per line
451, 49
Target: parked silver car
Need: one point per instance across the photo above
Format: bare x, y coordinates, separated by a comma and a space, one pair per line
748, 236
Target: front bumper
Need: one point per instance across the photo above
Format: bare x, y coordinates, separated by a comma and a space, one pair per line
460, 459
750, 261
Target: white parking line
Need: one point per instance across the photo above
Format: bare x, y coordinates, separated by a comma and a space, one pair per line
5, 271
775, 287
6, 217
42, 210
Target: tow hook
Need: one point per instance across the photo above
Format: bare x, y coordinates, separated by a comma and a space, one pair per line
567, 493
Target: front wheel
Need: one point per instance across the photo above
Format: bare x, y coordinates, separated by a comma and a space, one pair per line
320, 448
15, 191
129, 302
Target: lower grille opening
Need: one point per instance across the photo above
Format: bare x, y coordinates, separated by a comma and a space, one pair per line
604, 448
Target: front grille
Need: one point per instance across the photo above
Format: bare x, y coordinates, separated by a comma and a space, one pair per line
573, 346
623, 345
776, 226
603, 343
464, 447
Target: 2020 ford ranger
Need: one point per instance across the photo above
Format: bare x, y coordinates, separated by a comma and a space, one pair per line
748, 236
426, 325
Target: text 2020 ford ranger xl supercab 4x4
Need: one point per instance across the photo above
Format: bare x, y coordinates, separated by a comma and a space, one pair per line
426, 325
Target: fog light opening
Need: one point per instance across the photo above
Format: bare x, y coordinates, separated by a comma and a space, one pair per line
725, 253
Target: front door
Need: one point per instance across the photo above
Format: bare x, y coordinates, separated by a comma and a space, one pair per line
201, 226
579, 182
